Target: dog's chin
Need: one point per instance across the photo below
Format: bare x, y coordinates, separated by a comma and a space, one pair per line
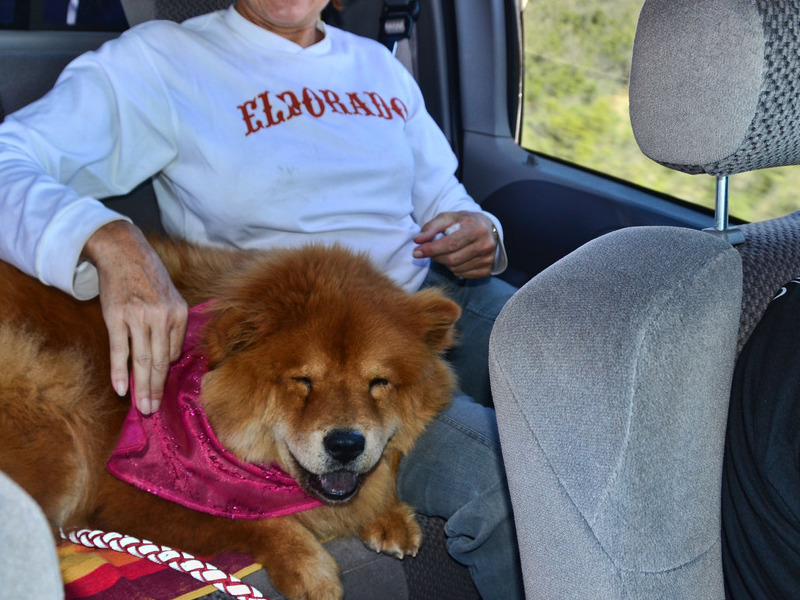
333, 487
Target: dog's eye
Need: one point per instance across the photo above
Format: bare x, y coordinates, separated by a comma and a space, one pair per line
378, 383
304, 381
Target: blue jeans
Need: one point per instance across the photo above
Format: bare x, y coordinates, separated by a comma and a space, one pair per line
480, 301
456, 471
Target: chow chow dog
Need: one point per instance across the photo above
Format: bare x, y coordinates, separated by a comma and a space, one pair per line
316, 363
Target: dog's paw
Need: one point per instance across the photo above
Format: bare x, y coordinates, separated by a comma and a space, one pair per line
323, 587
306, 574
394, 532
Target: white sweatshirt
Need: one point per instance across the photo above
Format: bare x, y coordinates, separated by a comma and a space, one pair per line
252, 140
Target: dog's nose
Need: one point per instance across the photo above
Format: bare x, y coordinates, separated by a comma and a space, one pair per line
344, 444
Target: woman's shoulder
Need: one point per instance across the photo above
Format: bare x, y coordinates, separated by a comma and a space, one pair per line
154, 28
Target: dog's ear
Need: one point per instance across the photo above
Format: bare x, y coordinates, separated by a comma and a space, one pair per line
227, 332
437, 316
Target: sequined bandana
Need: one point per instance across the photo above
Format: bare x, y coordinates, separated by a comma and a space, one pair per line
175, 454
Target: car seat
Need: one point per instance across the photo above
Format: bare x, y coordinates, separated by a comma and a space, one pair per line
29, 568
138, 11
611, 370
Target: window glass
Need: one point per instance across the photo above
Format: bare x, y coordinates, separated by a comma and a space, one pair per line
577, 60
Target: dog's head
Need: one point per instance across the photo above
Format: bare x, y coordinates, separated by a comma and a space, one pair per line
322, 364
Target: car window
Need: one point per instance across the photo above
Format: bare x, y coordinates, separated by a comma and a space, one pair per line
577, 60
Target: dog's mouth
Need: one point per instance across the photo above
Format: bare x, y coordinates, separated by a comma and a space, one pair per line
336, 486
332, 487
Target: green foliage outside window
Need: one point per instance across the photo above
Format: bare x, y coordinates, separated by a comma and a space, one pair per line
577, 60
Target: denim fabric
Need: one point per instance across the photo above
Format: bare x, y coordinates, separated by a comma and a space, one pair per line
455, 471
481, 301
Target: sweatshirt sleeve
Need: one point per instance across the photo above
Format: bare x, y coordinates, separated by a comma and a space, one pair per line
436, 188
104, 128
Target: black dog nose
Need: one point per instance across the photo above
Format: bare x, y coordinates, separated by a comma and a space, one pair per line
344, 444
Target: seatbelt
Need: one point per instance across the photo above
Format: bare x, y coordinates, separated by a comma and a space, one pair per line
397, 31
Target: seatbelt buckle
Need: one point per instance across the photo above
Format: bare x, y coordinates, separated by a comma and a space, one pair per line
397, 21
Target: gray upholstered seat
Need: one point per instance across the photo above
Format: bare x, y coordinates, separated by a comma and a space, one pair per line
611, 373
138, 11
611, 369
714, 84
29, 566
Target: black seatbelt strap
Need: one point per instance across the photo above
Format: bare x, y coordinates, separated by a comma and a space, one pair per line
397, 21
397, 30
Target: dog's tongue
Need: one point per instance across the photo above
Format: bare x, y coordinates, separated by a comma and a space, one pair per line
339, 483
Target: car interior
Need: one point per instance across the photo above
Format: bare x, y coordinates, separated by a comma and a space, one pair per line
611, 367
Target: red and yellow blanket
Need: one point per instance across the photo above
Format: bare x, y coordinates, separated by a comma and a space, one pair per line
91, 574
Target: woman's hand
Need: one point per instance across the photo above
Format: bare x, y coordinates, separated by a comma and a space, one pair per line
144, 313
467, 246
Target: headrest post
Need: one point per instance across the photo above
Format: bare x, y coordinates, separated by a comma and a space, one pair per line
721, 205
732, 234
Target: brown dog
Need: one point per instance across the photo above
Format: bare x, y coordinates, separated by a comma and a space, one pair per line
301, 345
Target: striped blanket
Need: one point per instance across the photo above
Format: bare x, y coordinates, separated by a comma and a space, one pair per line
91, 574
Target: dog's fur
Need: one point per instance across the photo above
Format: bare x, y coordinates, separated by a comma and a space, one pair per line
301, 343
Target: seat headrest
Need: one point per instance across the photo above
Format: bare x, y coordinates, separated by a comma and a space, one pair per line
715, 84
138, 11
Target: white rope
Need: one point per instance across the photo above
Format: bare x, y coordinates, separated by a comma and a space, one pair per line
163, 555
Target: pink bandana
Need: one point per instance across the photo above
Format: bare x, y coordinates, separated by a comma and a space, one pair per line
175, 454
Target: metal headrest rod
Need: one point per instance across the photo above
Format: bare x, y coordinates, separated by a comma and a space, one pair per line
721, 228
